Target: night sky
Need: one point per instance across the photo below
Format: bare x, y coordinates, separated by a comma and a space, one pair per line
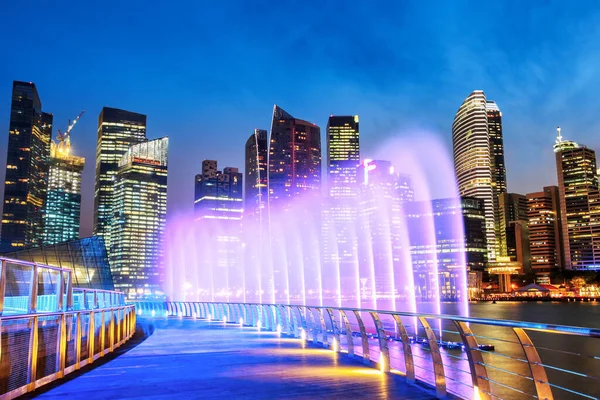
207, 73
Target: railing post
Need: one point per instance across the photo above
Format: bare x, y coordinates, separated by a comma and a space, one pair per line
313, 324
436, 356
103, 333
78, 341
289, 310
95, 299
384, 352
325, 342
538, 372
61, 346
409, 364
479, 376
3, 265
111, 331
364, 338
303, 321
91, 333
70, 290
348, 328
33, 290
33, 354
60, 289
336, 330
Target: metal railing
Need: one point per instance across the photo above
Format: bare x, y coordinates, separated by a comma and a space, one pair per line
457, 356
49, 329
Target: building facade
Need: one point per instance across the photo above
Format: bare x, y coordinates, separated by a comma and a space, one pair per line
218, 195
479, 159
339, 214
118, 130
579, 204
512, 240
447, 250
545, 233
139, 219
27, 164
256, 189
63, 206
294, 159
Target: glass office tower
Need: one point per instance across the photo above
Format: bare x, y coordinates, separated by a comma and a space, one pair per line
118, 130
139, 219
30, 132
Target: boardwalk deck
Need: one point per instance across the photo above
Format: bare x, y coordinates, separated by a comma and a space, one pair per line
186, 359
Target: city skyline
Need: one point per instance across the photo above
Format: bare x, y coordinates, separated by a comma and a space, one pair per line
393, 96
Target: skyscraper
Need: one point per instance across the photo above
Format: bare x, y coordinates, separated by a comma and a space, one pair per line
218, 195
343, 155
579, 204
218, 209
118, 130
512, 207
447, 247
339, 214
545, 234
139, 217
378, 224
63, 205
294, 159
29, 136
256, 190
479, 158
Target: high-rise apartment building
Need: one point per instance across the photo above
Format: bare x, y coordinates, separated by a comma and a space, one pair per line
118, 130
139, 209
256, 188
545, 234
579, 204
29, 136
63, 204
294, 159
479, 158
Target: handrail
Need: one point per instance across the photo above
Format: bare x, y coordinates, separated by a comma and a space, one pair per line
61, 284
57, 344
387, 344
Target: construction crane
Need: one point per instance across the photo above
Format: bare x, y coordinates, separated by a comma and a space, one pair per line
63, 141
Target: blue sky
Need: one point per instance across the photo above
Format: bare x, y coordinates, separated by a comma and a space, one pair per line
208, 73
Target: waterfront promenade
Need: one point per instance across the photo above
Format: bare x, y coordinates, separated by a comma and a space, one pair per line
185, 358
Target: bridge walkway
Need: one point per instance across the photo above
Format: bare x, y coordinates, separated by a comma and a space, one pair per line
188, 359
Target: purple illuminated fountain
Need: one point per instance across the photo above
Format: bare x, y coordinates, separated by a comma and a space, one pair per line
376, 249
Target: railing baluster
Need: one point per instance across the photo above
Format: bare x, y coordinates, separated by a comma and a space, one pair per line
363, 337
336, 330
409, 364
33, 354
436, 357
479, 375
91, 334
538, 372
33, 290
323, 327
348, 328
61, 346
383, 345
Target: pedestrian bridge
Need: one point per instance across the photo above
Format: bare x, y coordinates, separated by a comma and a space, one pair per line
48, 330
186, 358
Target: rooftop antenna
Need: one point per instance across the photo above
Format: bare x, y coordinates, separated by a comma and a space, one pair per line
559, 137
